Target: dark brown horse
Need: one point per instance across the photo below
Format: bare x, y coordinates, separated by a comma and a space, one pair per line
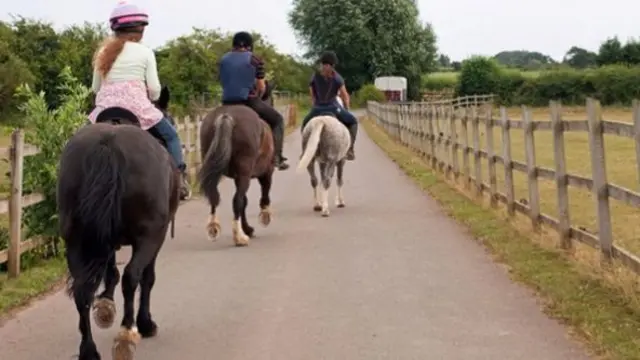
236, 143
117, 186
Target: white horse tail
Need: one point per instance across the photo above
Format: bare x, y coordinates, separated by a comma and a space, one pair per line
312, 144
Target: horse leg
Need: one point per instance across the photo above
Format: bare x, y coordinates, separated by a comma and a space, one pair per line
311, 169
104, 308
242, 186
144, 251
213, 226
147, 327
88, 350
339, 173
83, 294
245, 224
326, 173
265, 201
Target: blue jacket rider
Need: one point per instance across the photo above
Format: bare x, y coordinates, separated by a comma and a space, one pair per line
242, 77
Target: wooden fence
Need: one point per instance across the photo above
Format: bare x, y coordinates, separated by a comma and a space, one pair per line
189, 129
432, 130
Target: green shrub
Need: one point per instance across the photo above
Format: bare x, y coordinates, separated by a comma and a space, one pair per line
611, 84
479, 75
49, 130
368, 92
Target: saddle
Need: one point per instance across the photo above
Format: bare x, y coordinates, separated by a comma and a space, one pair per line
120, 116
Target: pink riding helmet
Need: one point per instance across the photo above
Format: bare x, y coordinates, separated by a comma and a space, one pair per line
127, 16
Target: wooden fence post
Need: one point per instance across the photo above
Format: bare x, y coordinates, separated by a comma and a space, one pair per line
532, 171
491, 159
477, 160
508, 164
599, 176
636, 131
15, 203
466, 168
454, 142
562, 184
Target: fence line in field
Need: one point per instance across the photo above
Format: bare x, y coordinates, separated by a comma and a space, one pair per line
432, 130
188, 128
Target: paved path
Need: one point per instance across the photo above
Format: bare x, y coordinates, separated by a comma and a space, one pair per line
388, 277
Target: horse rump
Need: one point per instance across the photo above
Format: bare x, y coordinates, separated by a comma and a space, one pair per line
218, 155
91, 186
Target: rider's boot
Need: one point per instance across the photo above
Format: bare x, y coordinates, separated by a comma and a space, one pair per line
353, 131
278, 139
185, 188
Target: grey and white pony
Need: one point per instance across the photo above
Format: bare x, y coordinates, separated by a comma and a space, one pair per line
325, 140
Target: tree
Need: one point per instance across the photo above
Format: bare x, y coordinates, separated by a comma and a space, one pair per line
610, 52
523, 59
371, 38
580, 58
444, 61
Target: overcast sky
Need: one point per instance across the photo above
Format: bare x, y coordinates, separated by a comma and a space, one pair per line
463, 27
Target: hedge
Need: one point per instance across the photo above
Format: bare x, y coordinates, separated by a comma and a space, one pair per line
611, 84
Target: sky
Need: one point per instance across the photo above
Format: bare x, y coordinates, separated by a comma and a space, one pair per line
463, 27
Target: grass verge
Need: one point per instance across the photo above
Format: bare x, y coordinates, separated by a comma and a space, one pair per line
597, 312
33, 282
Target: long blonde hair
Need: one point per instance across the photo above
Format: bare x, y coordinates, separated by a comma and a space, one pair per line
110, 48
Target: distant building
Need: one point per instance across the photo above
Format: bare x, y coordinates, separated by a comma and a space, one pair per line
393, 87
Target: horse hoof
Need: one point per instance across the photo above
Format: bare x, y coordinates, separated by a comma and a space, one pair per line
325, 213
104, 312
213, 230
241, 241
341, 205
265, 217
317, 208
124, 345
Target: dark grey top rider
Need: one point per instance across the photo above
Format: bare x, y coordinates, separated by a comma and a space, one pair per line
325, 85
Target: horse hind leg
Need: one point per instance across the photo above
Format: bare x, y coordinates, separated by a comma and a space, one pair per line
265, 200
213, 225
326, 174
147, 327
311, 169
104, 308
144, 252
244, 222
242, 181
83, 297
340, 182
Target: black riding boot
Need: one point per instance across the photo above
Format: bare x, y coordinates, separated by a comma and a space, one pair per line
278, 139
353, 131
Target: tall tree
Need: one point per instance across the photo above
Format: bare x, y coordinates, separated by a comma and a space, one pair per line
610, 52
371, 38
580, 58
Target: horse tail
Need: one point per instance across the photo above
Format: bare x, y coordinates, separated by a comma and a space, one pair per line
312, 144
97, 220
218, 156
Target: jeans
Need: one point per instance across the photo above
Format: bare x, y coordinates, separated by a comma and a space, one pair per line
343, 115
170, 136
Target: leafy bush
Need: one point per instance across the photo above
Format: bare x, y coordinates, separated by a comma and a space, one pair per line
479, 75
49, 130
611, 84
367, 93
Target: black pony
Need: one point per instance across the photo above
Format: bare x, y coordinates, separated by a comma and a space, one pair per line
117, 186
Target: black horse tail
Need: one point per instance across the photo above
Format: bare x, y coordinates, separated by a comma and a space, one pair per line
97, 219
218, 156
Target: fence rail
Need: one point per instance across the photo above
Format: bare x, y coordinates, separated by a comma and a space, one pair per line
432, 130
188, 128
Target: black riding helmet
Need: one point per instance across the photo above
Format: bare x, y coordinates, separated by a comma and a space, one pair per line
243, 39
329, 58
